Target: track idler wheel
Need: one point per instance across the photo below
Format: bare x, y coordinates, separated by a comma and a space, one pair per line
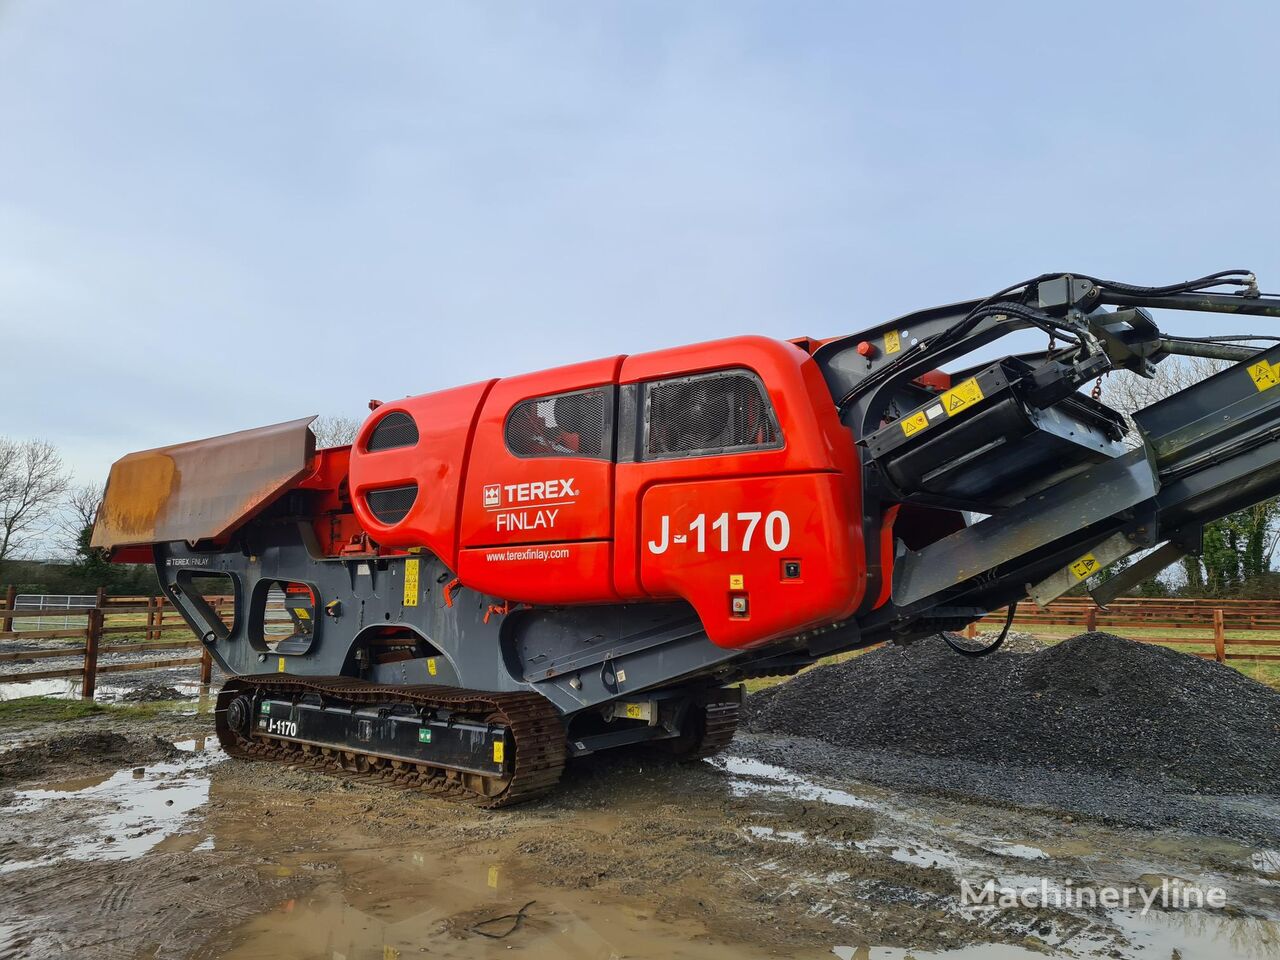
240, 715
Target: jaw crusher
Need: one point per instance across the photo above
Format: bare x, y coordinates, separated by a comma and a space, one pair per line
497, 577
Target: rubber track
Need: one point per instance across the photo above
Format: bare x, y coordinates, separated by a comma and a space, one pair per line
536, 730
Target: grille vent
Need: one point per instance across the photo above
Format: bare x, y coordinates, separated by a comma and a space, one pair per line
392, 504
396, 429
710, 413
567, 425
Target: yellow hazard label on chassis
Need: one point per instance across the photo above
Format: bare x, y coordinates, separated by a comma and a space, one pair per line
498, 751
301, 613
914, 423
635, 711
280, 669
961, 397
736, 581
431, 665
411, 582
1085, 567
1264, 375
892, 342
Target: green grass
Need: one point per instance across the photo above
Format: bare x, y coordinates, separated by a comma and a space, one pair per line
46, 710
31, 710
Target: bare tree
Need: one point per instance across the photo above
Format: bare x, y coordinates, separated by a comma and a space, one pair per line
79, 510
33, 479
335, 431
1128, 392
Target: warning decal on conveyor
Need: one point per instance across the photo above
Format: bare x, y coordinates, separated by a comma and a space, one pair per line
914, 423
1085, 567
1264, 375
892, 342
961, 397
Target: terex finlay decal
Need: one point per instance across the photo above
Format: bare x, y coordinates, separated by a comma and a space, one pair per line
529, 506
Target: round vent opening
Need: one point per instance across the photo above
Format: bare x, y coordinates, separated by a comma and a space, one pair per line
392, 504
396, 429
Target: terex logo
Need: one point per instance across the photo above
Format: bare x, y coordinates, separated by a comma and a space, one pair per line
540, 490
533, 492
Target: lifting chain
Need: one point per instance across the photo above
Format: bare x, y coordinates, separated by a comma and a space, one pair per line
1096, 392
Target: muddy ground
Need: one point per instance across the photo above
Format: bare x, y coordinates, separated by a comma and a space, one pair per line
113, 843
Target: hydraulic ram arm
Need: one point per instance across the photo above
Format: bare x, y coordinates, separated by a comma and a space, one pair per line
1056, 484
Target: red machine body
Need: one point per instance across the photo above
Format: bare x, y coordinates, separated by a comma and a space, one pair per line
756, 535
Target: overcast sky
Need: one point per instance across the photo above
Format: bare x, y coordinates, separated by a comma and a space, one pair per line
222, 215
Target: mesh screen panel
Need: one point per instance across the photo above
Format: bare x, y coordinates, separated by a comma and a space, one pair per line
392, 504
710, 413
566, 425
396, 429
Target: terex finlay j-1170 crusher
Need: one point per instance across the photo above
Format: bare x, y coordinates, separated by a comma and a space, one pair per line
495, 577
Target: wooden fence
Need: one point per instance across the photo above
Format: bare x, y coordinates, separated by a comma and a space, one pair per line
152, 619
1237, 629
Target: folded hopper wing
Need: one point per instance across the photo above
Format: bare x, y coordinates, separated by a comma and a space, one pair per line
204, 489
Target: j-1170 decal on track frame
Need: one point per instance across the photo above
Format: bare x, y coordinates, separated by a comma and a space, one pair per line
726, 534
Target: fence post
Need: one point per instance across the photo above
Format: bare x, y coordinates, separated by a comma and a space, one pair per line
1219, 637
971, 630
206, 667
92, 636
10, 598
1091, 619
151, 619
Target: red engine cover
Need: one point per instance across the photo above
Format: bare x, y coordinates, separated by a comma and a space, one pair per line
551, 489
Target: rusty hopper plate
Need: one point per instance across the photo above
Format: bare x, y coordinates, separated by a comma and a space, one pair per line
201, 490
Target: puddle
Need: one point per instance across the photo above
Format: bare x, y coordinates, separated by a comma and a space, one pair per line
1020, 850
69, 689
752, 777
77, 784
1266, 861
990, 951
413, 904
121, 815
1199, 933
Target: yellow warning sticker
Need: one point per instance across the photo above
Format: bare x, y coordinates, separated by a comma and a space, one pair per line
1264, 375
411, 582
1085, 567
914, 423
635, 711
280, 668
961, 397
736, 581
892, 342
498, 751
431, 665
301, 613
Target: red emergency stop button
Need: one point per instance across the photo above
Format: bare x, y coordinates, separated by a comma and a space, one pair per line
865, 349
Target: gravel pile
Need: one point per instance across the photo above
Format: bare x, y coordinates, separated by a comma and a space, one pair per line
1095, 703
